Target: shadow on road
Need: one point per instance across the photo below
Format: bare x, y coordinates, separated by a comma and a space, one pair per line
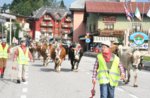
52, 70
46, 69
65, 70
37, 65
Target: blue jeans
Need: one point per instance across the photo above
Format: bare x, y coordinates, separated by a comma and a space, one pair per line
107, 91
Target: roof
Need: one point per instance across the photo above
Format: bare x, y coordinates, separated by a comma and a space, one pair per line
57, 13
8, 16
114, 7
78, 5
2, 19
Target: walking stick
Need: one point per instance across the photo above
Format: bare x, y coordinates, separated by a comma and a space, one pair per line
93, 91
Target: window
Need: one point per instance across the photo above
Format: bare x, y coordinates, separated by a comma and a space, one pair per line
136, 27
109, 26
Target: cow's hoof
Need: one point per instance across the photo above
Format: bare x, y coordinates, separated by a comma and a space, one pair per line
135, 85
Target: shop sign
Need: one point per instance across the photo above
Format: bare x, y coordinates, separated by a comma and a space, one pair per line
139, 38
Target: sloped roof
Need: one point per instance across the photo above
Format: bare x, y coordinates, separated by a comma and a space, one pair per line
114, 7
57, 13
78, 5
8, 16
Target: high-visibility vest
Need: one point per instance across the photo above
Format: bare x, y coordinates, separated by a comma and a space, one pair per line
23, 58
106, 76
3, 51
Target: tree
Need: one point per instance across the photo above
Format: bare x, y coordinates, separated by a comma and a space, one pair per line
26, 7
5, 7
62, 5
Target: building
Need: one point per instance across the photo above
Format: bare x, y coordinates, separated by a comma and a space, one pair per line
51, 21
109, 21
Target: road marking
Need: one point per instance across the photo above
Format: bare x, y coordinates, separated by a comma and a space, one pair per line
133, 96
23, 96
24, 90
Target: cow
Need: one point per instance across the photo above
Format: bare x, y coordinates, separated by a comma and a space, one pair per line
75, 54
57, 54
126, 57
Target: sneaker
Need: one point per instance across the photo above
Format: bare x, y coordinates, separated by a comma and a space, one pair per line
18, 81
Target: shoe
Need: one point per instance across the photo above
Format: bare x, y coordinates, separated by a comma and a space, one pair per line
18, 81
23, 80
2, 75
135, 85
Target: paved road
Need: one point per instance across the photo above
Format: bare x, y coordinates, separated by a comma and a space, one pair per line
43, 82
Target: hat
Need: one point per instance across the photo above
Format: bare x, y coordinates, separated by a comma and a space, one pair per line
23, 40
4, 40
107, 43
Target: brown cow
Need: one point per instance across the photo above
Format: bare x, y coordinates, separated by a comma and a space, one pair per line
57, 54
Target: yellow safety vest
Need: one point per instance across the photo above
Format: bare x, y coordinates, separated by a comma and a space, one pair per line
23, 58
3, 52
111, 76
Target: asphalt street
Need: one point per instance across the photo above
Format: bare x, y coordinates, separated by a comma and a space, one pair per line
44, 82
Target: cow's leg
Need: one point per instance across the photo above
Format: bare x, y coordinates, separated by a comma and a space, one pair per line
55, 67
59, 67
44, 61
72, 64
135, 78
128, 76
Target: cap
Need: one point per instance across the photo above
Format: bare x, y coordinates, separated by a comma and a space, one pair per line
4, 40
107, 43
23, 40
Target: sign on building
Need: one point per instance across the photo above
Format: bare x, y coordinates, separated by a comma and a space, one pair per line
139, 39
98, 39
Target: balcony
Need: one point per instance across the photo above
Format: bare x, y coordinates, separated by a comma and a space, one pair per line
66, 25
68, 19
65, 32
49, 30
49, 24
47, 18
43, 24
43, 30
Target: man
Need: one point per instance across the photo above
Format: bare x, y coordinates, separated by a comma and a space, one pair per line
107, 68
4, 51
22, 55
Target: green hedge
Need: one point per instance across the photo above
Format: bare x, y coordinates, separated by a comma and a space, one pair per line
146, 58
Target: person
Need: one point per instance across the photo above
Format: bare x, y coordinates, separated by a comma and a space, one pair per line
107, 67
4, 52
22, 55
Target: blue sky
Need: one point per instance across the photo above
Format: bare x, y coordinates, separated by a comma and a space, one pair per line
67, 2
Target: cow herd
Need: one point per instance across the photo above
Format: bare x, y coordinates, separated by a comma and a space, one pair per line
56, 52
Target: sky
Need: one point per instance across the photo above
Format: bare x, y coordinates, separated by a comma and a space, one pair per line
67, 2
